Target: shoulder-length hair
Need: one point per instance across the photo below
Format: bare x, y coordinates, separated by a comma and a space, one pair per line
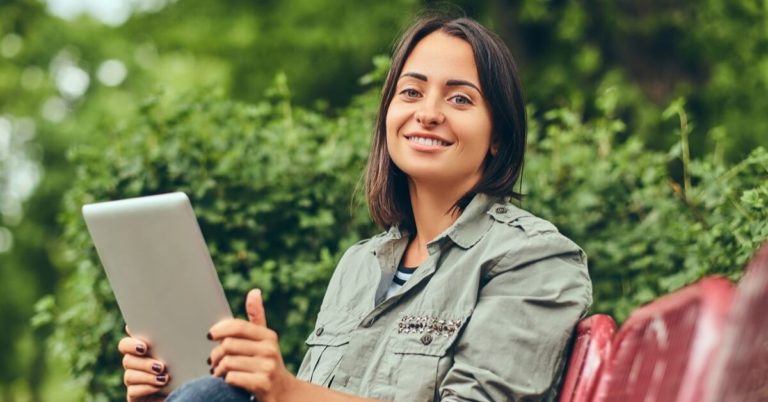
387, 186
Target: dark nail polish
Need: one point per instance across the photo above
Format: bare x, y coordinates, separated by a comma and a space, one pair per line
141, 349
157, 368
208, 361
211, 370
162, 378
210, 337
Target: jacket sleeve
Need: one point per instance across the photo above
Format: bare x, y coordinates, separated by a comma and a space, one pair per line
512, 347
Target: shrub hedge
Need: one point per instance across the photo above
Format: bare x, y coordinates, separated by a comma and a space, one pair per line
271, 185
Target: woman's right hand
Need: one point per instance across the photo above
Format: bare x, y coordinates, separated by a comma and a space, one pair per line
144, 376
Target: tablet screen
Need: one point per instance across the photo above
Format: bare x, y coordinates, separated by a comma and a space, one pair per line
164, 280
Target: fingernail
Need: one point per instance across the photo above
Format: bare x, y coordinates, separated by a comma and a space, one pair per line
162, 378
141, 348
209, 336
211, 370
157, 368
208, 361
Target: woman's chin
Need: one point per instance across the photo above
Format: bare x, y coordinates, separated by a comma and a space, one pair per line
432, 177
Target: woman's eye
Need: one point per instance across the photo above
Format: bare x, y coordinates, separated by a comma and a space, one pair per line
410, 93
461, 100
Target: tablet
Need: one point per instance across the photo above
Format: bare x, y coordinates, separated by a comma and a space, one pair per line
159, 268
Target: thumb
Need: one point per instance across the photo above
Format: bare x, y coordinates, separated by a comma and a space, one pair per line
254, 306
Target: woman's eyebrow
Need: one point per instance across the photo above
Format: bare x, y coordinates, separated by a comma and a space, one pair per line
453, 83
418, 76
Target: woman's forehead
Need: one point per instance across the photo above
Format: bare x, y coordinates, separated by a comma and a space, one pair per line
441, 57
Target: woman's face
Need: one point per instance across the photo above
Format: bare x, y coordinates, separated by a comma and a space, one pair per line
438, 123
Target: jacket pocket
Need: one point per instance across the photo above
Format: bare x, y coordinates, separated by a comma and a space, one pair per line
419, 345
326, 346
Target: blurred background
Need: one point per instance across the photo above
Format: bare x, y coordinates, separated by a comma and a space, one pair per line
647, 119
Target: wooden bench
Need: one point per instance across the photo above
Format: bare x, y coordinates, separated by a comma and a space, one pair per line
706, 342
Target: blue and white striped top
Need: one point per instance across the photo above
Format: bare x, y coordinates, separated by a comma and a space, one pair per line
402, 275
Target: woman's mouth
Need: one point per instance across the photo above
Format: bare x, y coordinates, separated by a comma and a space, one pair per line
427, 141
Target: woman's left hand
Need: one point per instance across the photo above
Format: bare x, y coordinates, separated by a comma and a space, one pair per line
248, 355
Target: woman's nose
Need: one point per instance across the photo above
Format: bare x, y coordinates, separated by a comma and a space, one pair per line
429, 116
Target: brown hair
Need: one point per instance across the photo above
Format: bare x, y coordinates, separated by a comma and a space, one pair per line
387, 186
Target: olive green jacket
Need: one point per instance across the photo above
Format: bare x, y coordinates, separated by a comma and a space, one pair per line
487, 317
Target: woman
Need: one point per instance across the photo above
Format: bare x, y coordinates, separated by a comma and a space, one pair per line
465, 297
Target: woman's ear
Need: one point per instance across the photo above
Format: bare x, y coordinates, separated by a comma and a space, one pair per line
494, 149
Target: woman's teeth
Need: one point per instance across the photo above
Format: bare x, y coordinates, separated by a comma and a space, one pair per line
427, 141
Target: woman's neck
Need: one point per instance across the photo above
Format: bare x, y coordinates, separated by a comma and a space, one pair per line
433, 212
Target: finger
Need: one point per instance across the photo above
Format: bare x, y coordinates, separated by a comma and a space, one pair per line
140, 391
255, 383
240, 329
242, 347
134, 346
250, 364
127, 330
136, 377
145, 364
254, 306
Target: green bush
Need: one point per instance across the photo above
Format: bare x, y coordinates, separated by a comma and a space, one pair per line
271, 185
645, 231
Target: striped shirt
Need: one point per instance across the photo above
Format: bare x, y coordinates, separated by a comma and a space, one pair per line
402, 275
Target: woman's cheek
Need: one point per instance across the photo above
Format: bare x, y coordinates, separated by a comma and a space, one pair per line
392, 150
394, 122
397, 115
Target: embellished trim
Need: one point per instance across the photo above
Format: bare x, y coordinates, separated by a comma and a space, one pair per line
411, 324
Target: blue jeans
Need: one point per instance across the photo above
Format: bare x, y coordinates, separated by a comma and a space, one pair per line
208, 389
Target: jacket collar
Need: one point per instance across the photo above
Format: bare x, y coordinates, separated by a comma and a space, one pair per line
473, 223
469, 228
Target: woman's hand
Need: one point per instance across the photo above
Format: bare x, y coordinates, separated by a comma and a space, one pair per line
144, 376
248, 355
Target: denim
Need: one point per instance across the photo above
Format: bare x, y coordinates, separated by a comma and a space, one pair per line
208, 389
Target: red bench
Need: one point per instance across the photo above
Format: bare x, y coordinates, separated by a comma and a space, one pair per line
590, 350
705, 342
740, 370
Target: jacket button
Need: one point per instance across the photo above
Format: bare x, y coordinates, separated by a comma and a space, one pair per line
319, 331
501, 210
426, 339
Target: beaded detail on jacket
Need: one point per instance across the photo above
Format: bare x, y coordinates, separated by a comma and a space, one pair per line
410, 324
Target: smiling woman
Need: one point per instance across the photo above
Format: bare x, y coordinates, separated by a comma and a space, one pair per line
451, 81
439, 124
463, 297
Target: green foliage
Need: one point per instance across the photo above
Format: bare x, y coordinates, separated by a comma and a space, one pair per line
646, 234
270, 184
712, 52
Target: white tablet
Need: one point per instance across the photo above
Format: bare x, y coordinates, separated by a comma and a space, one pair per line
163, 277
